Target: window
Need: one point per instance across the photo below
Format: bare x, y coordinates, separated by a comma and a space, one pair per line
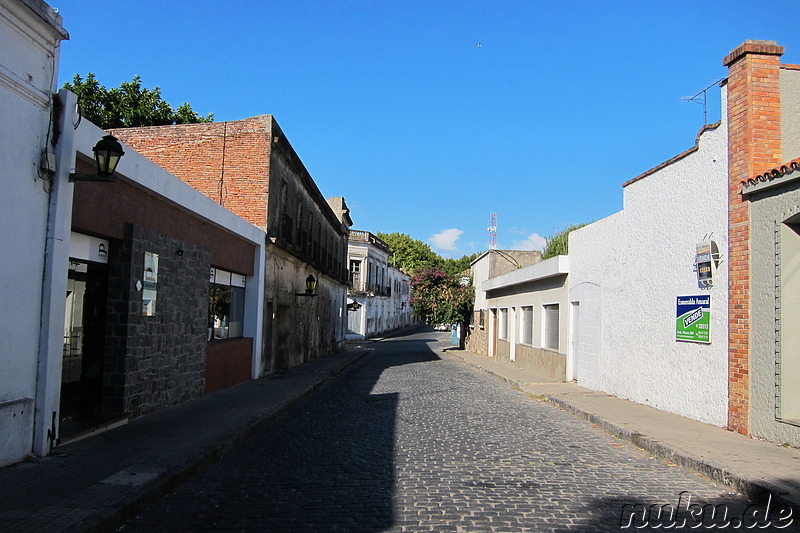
355, 274
286, 228
526, 326
481, 319
502, 329
225, 305
551, 326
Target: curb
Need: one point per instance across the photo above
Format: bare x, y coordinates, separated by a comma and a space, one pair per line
110, 521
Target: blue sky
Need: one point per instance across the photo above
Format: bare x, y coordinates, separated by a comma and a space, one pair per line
429, 115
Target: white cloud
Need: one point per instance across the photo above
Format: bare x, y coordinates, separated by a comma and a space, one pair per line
533, 242
446, 240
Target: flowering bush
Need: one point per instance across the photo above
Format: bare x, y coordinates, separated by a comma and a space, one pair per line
440, 298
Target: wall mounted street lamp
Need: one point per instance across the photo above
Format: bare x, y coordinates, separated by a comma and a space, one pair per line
107, 153
311, 285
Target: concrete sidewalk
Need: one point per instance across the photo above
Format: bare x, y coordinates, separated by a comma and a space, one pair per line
97, 483
750, 466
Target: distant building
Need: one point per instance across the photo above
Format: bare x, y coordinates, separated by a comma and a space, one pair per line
249, 167
527, 318
378, 298
490, 264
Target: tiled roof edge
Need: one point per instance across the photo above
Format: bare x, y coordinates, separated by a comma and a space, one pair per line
773, 173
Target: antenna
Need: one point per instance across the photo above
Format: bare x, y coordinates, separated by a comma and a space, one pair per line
700, 98
492, 231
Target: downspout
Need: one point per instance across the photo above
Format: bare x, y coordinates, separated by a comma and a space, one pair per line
54, 282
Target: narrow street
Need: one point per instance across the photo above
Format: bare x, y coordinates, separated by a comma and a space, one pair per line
410, 440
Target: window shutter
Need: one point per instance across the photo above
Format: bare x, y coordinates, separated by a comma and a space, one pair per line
551, 326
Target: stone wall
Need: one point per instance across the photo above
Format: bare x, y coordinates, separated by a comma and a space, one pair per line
477, 340
153, 362
541, 363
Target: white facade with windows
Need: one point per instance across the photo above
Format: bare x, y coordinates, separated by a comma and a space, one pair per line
526, 323
379, 294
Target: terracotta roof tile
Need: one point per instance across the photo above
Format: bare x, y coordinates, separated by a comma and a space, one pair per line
773, 173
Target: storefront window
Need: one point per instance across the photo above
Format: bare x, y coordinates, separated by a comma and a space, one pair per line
225, 305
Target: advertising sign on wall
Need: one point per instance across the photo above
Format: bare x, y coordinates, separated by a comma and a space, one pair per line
150, 292
693, 318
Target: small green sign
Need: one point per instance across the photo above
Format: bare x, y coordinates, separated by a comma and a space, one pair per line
693, 318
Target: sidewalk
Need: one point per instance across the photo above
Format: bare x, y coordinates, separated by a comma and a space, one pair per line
95, 484
750, 466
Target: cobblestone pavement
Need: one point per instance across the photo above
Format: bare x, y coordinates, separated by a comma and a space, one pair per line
408, 441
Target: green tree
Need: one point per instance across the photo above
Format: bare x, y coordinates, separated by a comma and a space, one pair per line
439, 298
457, 266
558, 243
128, 106
409, 255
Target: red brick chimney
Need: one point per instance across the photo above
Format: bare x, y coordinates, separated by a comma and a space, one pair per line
754, 145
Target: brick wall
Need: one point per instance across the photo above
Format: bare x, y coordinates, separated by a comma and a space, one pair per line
754, 145
226, 161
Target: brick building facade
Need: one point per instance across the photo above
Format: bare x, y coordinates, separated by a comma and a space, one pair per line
249, 167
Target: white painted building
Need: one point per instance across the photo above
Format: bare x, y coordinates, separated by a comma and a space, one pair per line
490, 264
30, 36
627, 272
379, 294
67, 231
528, 322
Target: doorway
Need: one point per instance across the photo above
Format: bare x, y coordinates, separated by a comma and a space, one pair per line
84, 347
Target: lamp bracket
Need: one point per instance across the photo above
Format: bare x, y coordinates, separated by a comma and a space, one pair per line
92, 177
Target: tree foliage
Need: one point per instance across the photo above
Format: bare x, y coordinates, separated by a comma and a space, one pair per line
457, 266
439, 298
409, 255
558, 243
128, 106
436, 294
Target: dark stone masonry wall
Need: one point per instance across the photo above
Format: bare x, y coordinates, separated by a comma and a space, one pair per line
154, 362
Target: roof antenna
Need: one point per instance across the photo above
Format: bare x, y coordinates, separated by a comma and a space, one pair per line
700, 98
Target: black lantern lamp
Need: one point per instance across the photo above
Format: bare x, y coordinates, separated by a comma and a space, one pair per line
107, 153
311, 285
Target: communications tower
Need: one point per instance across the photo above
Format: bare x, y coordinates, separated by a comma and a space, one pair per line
493, 231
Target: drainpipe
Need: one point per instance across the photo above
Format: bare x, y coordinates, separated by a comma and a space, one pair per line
54, 283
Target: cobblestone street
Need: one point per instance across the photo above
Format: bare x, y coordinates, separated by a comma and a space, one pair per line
406, 440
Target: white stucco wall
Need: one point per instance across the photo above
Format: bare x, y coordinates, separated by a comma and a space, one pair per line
790, 112
29, 46
626, 272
